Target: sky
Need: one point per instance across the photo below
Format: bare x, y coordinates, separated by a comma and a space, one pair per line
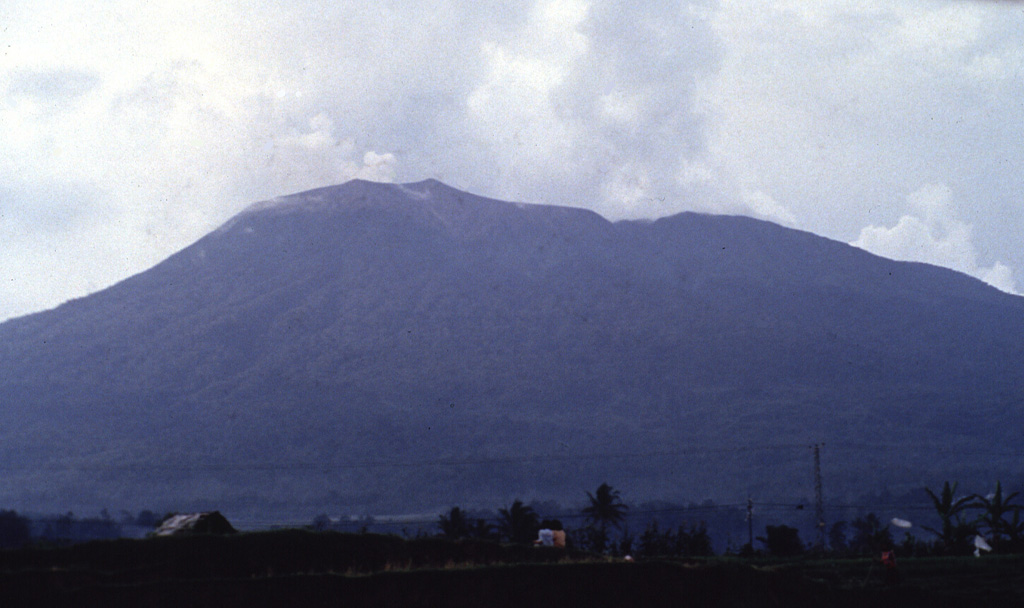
128, 130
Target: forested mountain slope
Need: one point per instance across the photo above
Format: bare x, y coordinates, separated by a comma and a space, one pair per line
376, 347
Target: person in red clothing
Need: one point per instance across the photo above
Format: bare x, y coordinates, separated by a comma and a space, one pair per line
892, 574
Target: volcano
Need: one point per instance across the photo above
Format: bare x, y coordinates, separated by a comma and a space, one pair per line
381, 348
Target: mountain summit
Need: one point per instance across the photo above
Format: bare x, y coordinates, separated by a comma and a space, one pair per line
381, 347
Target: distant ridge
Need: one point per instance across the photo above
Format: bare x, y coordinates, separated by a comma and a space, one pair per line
382, 347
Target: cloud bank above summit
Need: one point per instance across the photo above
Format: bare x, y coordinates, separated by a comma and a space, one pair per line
129, 131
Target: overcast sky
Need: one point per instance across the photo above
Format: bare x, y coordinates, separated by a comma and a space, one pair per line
128, 129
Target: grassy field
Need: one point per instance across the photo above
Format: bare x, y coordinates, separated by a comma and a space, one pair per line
298, 568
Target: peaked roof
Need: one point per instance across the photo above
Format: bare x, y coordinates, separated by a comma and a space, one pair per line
211, 522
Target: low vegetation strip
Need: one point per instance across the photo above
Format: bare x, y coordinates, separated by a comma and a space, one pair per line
295, 567
276, 552
536, 585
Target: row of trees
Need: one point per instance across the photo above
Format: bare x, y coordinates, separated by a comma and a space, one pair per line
603, 530
996, 517
519, 523
993, 518
18, 530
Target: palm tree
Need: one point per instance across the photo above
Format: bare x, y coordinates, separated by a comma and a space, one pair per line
955, 532
996, 508
482, 530
1015, 532
454, 524
606, 510
869, 535
518, 523
606, 507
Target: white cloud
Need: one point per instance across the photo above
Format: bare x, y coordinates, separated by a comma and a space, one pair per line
512, 114
172, 144
858, 102
594, 107
628, 186
818, 115
767, 207
302, 159
1000, 276
377, 167
935, 235
617, 107
938, 31
694, 172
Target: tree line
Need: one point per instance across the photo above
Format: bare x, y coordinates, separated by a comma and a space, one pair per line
966, 524
17, 530
963, 525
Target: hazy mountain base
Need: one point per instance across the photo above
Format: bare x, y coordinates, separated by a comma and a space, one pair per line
430, 471
303, 483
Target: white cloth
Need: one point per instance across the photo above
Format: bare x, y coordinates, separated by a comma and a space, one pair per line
546, 537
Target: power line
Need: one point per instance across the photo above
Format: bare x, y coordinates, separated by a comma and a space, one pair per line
541, 458
478, 461
934, 449
738, 509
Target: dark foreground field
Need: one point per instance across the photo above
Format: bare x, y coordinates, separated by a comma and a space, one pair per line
296, 568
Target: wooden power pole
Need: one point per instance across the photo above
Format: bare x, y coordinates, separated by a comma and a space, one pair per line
819, 506
750, 524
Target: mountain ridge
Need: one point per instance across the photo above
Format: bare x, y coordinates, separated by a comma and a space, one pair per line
369, 322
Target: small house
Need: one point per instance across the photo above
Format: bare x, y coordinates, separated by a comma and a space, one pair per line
211, 522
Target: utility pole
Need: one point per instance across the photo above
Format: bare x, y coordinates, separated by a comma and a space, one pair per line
819, 507
750, 524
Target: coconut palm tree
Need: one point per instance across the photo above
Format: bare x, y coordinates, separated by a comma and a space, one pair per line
606, 510
483, 530
518, 523
606, 507
454, 524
